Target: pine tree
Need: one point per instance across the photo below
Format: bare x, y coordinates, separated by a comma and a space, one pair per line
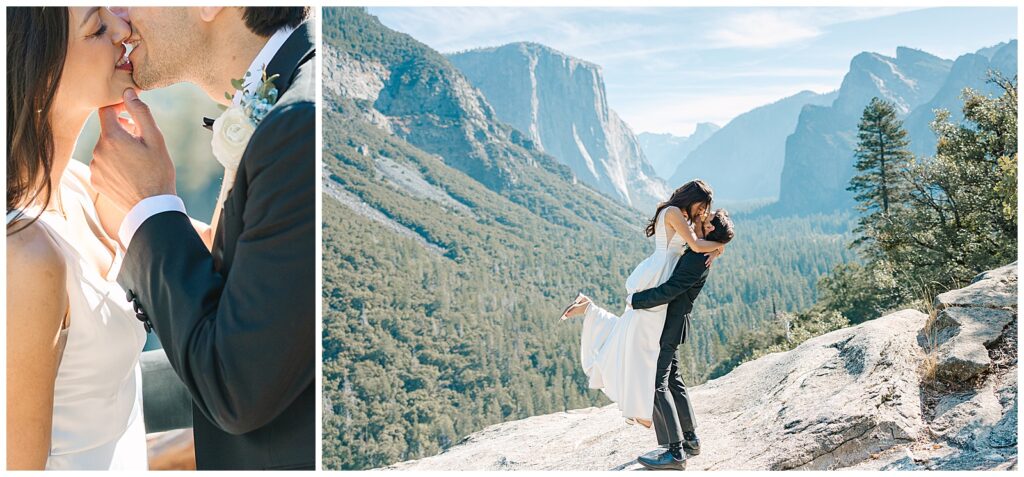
882, 158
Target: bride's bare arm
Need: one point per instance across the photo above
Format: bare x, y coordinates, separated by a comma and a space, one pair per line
37, 303
677, 220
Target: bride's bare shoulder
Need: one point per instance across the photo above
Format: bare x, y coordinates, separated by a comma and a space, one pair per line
33, 259
676, 219
37, 298
674, 215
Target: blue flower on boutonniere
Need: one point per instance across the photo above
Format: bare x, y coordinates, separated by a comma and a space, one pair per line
235, 126
258, 103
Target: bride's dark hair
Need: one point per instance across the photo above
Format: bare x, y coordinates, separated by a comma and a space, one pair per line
685, 197
37, 43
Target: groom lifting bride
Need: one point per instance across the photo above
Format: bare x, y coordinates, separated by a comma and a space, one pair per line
632, 357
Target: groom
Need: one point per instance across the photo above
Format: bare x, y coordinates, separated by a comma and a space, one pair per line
673, 412
238, 322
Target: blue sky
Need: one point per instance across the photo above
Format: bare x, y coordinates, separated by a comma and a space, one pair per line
667, 69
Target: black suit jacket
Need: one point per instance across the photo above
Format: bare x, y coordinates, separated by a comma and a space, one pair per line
679, 291
238, 324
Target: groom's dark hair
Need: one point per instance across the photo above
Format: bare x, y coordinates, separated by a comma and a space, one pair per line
264, 21
723, 232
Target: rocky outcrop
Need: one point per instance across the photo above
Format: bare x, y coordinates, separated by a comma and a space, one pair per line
861, 397
972, 402
560, 103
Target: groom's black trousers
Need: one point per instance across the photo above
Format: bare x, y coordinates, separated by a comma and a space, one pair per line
673, 413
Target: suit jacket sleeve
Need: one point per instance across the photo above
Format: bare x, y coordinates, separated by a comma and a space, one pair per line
694, 291
688, 271
244, 345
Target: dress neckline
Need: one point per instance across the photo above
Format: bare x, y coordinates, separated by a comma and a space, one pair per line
47, 216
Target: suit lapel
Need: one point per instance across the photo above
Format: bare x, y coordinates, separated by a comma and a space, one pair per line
295, 51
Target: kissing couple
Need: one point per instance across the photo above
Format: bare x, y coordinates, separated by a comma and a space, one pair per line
632, 357
99, 256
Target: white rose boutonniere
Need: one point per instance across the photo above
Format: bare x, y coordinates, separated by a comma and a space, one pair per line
233, 129
231, 134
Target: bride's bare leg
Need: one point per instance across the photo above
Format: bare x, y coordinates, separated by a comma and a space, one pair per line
578, 307
643, 422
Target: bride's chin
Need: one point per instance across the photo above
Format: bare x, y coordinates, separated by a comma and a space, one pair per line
118, 86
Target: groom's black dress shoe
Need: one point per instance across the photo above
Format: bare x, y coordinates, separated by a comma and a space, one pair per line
691, 444
668, 460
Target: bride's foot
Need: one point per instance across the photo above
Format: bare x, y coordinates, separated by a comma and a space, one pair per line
578, 307
643, 422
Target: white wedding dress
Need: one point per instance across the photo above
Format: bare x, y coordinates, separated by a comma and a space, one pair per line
97, 396
620, 353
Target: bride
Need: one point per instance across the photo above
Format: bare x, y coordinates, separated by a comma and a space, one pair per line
620, 353
74, 398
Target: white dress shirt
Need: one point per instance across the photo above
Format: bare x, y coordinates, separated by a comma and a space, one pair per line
255, 73
151, 206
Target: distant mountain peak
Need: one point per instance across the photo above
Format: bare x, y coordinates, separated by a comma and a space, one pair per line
905, 54
703, 128
990, 51
820, 153
530, 48
743, 159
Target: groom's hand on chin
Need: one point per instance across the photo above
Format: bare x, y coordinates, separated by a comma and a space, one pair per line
130, 161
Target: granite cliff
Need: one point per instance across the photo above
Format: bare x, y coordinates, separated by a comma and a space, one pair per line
560, 103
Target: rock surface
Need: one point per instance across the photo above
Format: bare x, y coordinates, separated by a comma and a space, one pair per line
859, 398
992, 289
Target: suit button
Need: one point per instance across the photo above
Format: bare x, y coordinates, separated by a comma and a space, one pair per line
141, 316
130, 296
136, 306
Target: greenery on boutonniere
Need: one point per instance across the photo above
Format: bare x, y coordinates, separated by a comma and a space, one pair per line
256, 104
